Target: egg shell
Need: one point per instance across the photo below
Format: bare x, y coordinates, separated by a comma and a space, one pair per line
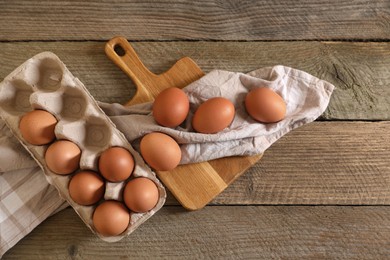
111, 218
160, 151
213, 115
116, 164
44, 83
140, 194
265, 105
171, 107
86, 188
63, 157
37, 127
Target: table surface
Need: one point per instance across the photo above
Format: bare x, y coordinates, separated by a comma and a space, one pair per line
321, 191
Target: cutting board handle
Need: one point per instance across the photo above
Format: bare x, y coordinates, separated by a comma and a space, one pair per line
124, 56
149, 85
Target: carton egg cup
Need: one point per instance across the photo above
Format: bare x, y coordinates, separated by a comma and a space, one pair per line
44, 82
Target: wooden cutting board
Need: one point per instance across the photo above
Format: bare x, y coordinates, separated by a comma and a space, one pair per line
193, 185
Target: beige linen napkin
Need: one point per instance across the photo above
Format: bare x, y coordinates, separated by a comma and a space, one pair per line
306, 96
26, 199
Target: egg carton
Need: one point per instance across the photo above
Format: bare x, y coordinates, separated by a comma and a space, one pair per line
44, 82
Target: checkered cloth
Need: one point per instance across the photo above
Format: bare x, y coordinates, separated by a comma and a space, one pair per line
26, 199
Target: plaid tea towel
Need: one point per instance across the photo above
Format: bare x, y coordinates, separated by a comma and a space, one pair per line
26, 199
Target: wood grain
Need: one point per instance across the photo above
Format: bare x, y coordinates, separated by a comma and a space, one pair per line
235, 232
321, 163
205, 20
360, 71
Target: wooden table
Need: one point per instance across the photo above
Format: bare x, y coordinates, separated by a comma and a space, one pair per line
322, 191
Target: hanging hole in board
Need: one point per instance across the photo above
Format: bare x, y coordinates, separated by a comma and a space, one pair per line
119, 50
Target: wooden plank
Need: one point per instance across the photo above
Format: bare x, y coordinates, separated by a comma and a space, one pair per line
330, 163
280, 232
360, 71
323, 163
210, 20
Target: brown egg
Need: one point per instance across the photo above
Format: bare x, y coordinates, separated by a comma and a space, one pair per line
37, 127
116, 164
265, 105
160, 151
86, 188
170, 108
63, 157
141, 194
213, 116
111, 218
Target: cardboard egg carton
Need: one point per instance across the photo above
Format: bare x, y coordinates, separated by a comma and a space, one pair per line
44, 82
